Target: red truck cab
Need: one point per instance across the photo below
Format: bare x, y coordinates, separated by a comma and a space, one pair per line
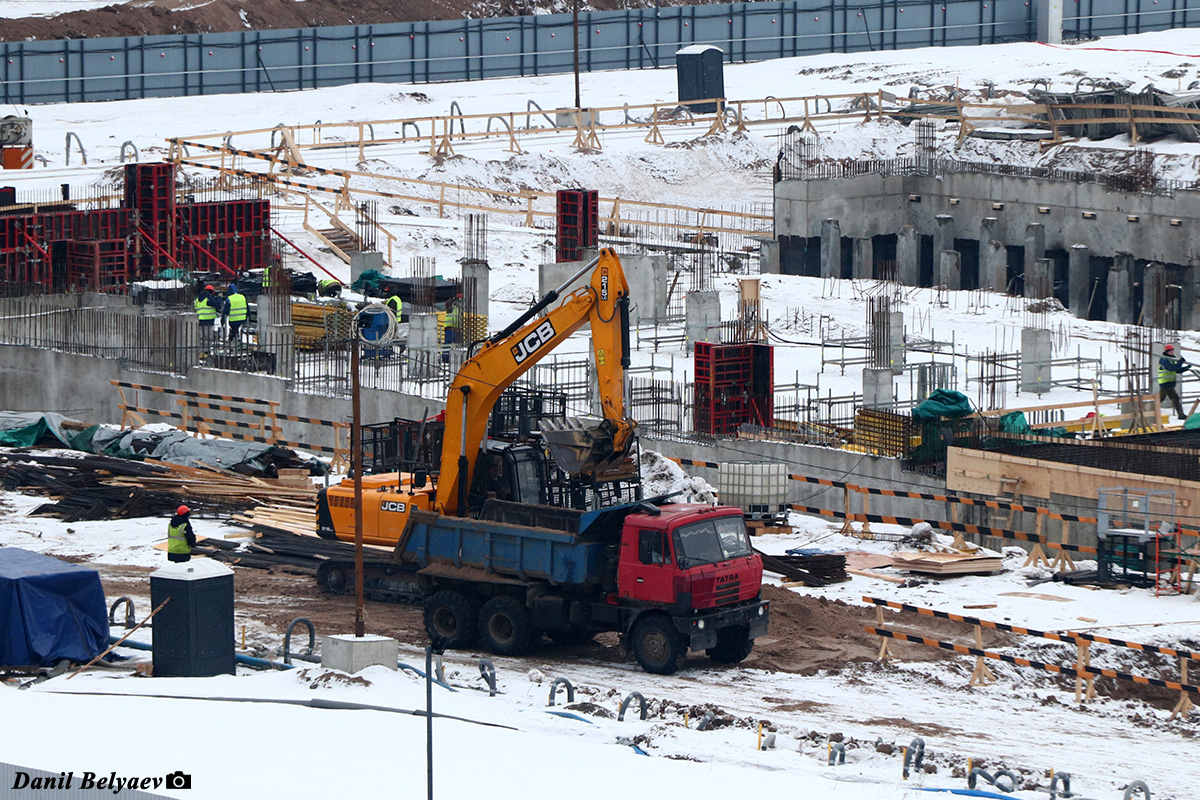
691, 566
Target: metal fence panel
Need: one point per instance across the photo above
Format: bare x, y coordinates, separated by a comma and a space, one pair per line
454, 50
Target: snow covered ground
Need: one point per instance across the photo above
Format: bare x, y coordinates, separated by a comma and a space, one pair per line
1026, 721
48, 8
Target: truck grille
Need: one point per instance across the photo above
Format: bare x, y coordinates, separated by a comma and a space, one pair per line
728, 592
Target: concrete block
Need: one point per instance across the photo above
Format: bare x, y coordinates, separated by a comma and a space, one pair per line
1120, 290
864, 259
1079, 279
949, 270
877, 388
1037, 349
350, 653
908, 256
702, 317
1039, 282
768, 258
572, 118
361, 262
831, 249
993, 265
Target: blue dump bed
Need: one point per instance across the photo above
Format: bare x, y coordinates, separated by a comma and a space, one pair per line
516, 551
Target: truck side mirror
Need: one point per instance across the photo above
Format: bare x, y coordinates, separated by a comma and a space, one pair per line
420, 478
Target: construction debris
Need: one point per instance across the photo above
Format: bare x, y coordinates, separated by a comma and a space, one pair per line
948, 563
812, 569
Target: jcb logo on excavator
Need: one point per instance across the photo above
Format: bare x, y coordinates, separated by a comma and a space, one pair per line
533, 341
391, 505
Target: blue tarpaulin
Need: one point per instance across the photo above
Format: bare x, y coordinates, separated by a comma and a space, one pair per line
49, 610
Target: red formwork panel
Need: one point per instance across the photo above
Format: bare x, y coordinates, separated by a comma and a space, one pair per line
27, 268
578, 222
150, 196
734, 384
100, 266
102, 224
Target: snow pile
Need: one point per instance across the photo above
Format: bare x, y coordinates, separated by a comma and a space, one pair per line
662, 476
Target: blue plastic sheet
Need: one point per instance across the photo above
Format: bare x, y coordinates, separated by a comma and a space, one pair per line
49, 610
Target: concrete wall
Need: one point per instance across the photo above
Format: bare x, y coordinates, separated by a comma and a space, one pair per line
45, 380
872, 205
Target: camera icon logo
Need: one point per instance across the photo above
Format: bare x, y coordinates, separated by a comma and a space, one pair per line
179, 780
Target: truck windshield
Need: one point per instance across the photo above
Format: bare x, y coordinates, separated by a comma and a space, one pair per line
711, 541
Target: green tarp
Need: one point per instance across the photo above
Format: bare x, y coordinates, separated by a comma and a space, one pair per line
943, 403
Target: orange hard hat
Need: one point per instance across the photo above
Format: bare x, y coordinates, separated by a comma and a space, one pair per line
210, 288
182, 510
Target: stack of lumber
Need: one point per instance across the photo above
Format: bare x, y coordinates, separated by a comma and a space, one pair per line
948, 563
212, 486
316, 323
276, 548
285, 518
812, 570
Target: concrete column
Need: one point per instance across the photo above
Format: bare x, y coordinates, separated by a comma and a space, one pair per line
896, 330
949, 270
993, 265
877, 388
1049, 21
1189, 317
477, 270
864, 259
1036, 352
423, 356
768, 258
831, 249
1120, 289
702, 317
1154, 291
1039, 282
1035, 247
1079, 279
361, 262
908, 256
943, 239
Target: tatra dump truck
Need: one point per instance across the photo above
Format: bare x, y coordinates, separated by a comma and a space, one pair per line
669, 578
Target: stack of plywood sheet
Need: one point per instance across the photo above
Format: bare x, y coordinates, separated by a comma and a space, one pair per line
948, 563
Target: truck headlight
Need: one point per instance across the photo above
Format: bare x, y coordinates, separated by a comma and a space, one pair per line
700, 624
762, 610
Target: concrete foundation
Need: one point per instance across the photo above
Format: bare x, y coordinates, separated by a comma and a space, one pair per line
831, 249
878, 391
863, 259
1120, 290
702, 317
352, 654
949, 270
908, 256
1079, 279
1039, 280
1037, 349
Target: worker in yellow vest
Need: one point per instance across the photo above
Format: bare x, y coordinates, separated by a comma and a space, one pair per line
452, 333
395, 304
180, 536
207, 312
236, 311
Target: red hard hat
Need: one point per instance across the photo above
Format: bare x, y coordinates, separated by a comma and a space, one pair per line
210, 288
182, 510
1169, 348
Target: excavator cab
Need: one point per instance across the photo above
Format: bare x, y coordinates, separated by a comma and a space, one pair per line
516, 474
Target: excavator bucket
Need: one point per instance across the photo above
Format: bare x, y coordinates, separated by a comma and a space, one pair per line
581, 449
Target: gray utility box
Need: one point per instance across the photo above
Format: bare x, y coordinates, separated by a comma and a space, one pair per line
700, 70
193, 634
759, 489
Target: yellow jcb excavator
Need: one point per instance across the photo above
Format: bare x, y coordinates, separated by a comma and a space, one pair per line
389, 498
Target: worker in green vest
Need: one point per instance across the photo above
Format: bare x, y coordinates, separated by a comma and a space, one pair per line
207, 312
180, 536
394, 303
329, 287
236, 311
1170, 367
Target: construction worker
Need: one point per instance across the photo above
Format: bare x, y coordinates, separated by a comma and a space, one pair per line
1170, 367
394, 303
452, 333
329, 287
236, 311
207, 312
180, 536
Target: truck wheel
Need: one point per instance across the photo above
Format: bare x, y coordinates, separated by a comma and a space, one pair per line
450, 619
505, 626
733, 645
657, 645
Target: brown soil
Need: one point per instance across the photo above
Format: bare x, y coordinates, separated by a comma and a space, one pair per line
807, 633
152, 17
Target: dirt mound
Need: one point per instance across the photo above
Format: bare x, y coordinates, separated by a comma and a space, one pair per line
155, 17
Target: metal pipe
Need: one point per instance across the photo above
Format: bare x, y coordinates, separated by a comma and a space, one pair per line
1137, 786
561, 682
641, 704
129, 619
1065, 779
307, 655
487, 671
360, 623
708, 718
915, 753
837, 754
